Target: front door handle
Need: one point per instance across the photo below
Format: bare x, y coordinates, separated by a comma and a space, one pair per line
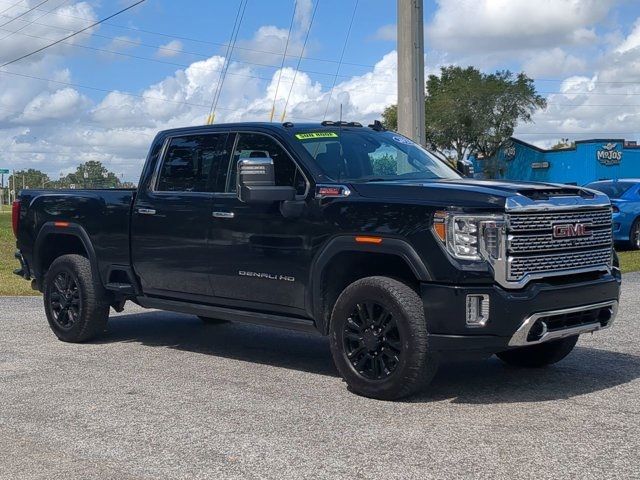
146, 211
223, 215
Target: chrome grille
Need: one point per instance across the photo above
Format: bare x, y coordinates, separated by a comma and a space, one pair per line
546, 242
527, 222
533, 250
590, 260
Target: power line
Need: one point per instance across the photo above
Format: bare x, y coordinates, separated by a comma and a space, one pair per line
226, 59
206, 42
344, 48
295, 74
12, 6
284, 58
72, 35
32, 22
177, 64
214, 104
13, 19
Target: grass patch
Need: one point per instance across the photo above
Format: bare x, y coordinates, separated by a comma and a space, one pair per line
10, 284
629, 261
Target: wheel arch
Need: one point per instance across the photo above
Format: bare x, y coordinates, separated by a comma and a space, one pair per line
345, 261
54, 241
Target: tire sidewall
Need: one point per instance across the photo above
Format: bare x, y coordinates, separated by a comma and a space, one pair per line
360, 292
68, 264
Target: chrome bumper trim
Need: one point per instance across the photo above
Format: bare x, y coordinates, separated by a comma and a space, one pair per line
519, 339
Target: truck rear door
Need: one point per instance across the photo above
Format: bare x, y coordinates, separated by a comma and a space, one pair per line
171, 223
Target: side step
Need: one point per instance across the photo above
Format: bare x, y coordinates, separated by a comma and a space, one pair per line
232, 315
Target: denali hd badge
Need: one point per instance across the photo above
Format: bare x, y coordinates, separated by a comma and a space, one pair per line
268, 276
571, 230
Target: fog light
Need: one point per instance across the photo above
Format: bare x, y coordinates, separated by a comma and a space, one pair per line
477, 310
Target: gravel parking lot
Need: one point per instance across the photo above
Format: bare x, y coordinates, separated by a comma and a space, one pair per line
163, 396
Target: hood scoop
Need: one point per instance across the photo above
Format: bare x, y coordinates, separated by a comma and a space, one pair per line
546, 194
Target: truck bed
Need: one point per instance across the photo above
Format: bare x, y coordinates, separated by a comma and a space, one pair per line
103, 214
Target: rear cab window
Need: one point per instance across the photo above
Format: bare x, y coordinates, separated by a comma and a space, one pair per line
195, 163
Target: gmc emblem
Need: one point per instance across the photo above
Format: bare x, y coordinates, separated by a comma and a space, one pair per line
570, 230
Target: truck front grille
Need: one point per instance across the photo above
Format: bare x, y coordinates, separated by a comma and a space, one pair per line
533, 249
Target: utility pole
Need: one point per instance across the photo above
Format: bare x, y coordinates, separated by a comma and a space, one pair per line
411, 84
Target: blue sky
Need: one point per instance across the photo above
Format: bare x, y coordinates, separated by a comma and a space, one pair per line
584, 55
212, 21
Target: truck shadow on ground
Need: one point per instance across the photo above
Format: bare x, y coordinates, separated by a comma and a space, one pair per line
586, 370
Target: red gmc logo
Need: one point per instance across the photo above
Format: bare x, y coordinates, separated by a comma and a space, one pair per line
571, 230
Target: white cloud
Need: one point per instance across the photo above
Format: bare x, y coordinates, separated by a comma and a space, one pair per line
387, 32
63, 21
171, 49
58, 105
632, 41
554, 62
507, 25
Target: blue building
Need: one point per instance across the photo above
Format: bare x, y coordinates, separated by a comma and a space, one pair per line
587, 161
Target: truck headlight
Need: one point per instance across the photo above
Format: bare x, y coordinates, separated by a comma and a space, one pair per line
470, 237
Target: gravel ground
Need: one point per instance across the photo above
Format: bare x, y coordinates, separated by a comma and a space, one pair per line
162, 396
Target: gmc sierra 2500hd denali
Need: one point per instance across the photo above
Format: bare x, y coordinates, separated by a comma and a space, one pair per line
354, 232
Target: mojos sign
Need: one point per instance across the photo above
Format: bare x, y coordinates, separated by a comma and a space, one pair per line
608, 155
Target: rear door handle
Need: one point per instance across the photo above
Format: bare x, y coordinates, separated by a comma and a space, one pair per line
146, 211
223, 215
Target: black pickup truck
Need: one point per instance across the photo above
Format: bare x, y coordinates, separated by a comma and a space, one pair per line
353, 232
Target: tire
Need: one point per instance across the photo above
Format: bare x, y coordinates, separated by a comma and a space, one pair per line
69, 286
392, 360
541, 355
212, 321
634, 235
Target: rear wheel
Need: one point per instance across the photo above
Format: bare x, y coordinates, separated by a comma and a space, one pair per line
379, 339
634, 236
540, 355
75, 305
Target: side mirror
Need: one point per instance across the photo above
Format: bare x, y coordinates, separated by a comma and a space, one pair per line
465, 167
257, 183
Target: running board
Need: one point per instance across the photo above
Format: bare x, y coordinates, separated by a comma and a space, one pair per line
232, 315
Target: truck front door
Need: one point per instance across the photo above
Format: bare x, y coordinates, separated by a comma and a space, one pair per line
261, 257
171, 222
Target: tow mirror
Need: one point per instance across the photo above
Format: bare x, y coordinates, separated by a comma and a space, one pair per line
257, 183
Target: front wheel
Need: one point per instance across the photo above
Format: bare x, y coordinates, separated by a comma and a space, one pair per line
540, 355
76, 307
379, 340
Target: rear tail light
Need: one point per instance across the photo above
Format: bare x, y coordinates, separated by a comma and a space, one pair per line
15, 217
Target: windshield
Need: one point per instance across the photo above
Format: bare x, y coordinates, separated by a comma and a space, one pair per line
365, 156
611, 189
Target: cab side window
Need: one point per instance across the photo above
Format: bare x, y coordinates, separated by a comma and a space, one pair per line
195, 163
255, 145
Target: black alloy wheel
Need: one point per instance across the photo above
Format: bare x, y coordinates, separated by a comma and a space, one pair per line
379, 341
372, 341
76, 305
65, 300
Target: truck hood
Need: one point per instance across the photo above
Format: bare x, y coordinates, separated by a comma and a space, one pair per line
469, 193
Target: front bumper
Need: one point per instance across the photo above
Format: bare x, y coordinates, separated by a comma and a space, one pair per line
513, 313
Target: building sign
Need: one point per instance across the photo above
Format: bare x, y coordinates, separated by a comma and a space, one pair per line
540, 165
608, 155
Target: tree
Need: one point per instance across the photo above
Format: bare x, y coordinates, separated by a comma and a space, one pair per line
30, 178
470, 112
562, 144
91, 174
